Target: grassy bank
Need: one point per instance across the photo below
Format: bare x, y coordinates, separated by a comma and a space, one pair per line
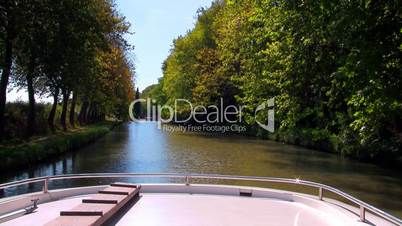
24, 155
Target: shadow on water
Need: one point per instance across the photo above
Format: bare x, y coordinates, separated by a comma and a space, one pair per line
141, 147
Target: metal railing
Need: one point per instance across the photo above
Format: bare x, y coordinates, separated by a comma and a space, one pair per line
188, 177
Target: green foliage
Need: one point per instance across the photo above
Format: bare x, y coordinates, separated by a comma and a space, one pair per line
73, 48
190, 69
16, 114
333, 67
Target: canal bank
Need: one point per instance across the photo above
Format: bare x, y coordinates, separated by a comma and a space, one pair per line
30, 153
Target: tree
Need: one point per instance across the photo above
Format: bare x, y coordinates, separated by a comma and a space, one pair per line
137, 106
332, 89
76, 49
8, 30
29, 51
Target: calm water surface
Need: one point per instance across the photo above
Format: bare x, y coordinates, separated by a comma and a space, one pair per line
141, 147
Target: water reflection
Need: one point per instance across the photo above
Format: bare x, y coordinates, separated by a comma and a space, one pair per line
143, 148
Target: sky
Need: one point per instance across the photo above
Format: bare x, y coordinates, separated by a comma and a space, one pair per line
154, 24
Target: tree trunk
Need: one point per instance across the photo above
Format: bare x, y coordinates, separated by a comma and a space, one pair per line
63, 116
90, 112
31, 98
72, 109
4, 82
52, 113
96, 113
82, 116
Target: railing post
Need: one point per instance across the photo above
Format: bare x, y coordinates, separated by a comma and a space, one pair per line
46, 185
362, 214
187, 180
320, 193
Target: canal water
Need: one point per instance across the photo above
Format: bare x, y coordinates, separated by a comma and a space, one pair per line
143, 148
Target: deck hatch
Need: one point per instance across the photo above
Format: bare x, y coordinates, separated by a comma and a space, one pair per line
246, 193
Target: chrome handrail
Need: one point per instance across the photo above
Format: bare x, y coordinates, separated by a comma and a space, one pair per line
187, 177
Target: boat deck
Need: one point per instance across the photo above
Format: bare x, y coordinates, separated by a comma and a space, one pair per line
196, 205
186, 209
173, 209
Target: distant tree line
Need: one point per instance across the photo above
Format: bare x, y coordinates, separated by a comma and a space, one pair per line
334, 68
73, 51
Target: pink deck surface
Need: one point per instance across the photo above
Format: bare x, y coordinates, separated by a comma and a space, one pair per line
205, 210
45, 212
188, 210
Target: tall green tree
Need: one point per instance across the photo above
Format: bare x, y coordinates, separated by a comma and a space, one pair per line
34, 31
333, 68
9, 17
75, 50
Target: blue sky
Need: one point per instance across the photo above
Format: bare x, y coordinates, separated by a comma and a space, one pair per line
155, 24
